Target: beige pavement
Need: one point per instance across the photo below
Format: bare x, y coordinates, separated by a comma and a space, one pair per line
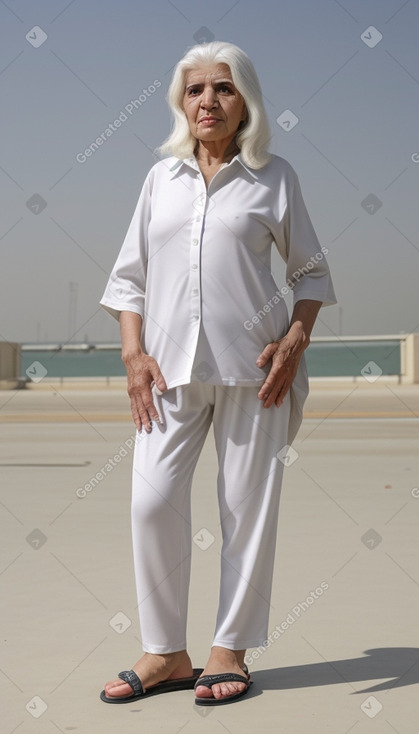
343, 654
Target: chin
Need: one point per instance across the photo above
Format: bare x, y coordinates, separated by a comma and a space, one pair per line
209, 135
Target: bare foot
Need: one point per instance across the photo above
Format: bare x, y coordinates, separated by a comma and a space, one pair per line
153, 669
223, 660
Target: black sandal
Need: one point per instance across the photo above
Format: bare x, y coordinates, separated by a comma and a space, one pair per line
131, 677
210, 680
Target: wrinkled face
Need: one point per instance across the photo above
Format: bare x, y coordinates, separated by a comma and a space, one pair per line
213, 106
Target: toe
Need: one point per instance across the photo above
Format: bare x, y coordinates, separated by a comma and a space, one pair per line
220, 690
203, 692
117, 687
224, 690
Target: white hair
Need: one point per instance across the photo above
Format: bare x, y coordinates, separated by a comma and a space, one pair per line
253, 134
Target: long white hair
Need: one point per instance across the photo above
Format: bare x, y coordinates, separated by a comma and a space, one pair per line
253, 134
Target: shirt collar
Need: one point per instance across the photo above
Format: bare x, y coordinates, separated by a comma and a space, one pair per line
192, 163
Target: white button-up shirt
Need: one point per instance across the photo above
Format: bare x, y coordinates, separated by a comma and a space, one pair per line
196, 265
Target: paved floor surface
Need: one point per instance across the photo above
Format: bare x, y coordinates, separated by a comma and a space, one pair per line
343, 653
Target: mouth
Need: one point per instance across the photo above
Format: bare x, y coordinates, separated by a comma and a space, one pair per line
209, 120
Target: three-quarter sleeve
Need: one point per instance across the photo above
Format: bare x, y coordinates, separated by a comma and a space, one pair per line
125, 290
307, 271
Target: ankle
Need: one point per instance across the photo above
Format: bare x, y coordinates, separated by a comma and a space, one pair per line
163, 660
170, 656
225, 652
240, 657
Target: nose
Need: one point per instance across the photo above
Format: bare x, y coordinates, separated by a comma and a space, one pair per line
209, 98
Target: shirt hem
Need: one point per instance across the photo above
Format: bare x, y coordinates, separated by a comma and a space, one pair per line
225, 381
313, 296
114, 311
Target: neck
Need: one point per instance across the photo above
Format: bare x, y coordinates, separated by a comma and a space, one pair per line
216, 152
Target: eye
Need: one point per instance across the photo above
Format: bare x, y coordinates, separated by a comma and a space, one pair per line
225, 88
192, 91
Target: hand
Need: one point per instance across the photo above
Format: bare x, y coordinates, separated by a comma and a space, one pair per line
285, 354
142, 371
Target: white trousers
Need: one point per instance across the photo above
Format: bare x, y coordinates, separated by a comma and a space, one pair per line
248, 438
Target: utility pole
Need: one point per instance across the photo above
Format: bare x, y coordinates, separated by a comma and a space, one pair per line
72, 309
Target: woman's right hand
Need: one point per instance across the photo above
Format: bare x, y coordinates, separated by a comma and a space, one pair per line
142, 371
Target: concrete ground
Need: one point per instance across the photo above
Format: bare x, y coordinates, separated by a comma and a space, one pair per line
343, 652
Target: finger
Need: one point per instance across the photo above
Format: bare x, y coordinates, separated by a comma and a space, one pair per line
265, 389
145, 419
149, 407
158, 378
136, 414
282, 395
266, 355
270, 399
272, 388
141, 413
286, 386
273, 378
269, 396
276, 397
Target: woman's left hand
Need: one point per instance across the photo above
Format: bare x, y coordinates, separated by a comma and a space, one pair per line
285, 354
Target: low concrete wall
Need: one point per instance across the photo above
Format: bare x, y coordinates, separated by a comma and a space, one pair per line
9, 365
410, 359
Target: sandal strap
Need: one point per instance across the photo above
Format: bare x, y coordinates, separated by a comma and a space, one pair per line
131, 677
209, 680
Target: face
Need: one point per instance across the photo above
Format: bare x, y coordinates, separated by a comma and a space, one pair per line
213, 106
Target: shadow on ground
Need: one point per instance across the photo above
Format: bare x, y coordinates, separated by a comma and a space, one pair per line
398, 665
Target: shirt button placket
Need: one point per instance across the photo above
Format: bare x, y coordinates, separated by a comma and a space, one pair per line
199, 205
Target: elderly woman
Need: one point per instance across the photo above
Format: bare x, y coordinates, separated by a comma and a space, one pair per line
206, 338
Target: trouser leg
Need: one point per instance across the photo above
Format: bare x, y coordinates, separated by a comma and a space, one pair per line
164, 461
248, 438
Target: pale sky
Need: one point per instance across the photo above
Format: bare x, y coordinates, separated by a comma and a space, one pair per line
347, 69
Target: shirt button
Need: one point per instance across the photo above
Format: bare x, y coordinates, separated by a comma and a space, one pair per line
194, 267
195, 242
196, 317
194, 291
